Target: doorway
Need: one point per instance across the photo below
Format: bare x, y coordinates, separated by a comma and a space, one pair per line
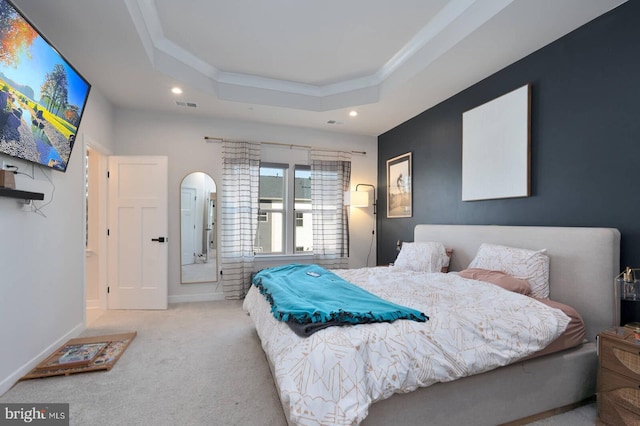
95, 239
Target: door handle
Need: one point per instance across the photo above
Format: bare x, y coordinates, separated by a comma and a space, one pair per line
160, 239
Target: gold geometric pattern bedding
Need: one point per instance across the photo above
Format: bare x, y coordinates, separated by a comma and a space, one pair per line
333, 376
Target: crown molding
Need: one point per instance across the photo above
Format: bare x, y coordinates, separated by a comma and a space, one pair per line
457, 20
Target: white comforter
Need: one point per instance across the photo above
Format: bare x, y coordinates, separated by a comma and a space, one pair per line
334, 375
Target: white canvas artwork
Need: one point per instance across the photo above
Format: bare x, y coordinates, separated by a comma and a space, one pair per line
495, 148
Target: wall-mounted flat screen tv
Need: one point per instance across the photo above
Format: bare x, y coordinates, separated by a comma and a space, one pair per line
42, 97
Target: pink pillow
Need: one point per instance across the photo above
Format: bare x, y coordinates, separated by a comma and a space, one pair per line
499, 278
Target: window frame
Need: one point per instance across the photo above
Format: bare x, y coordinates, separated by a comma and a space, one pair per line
285, 169
295, 211
288, 211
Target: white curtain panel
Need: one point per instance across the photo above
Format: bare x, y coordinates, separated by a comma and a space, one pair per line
330, 179
239, 208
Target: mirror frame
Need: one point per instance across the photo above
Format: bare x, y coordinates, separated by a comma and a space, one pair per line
214, 229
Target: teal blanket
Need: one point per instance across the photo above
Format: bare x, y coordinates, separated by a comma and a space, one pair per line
309, 294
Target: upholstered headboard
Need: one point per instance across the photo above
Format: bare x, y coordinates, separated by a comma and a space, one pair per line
583, 261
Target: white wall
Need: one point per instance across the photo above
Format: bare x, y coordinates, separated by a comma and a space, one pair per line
181, 138
42, 258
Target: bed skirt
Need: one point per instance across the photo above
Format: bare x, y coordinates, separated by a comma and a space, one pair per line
504, 395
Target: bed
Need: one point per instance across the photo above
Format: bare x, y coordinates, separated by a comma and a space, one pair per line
583, 262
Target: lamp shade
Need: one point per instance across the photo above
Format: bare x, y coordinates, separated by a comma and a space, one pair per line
359, 199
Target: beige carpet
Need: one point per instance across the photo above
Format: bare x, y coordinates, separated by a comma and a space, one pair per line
193, 364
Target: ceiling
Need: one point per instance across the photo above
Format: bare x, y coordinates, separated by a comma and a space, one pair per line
299, 63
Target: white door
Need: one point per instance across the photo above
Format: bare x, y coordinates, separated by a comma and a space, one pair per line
138, 225
188, 224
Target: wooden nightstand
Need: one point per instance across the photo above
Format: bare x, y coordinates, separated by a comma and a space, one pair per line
618, 393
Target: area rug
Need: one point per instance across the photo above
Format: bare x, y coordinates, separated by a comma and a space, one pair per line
83, 355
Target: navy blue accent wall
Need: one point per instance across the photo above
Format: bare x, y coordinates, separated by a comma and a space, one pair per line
585, 141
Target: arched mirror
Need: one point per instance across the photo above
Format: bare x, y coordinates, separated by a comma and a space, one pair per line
198, 239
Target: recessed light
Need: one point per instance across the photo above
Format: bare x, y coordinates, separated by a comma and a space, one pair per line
176, 90
353, 113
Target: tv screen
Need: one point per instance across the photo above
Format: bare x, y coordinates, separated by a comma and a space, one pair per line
42, 97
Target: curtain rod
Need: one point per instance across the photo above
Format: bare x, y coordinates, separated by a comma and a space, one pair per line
290, 145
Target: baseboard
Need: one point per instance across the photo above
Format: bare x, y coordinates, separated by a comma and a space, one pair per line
13, 378
204, 297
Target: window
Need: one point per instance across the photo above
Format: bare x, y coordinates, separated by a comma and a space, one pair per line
271, 215
303, 231
284, 217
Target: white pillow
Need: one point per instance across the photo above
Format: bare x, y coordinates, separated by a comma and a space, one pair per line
531, 265
422, 257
